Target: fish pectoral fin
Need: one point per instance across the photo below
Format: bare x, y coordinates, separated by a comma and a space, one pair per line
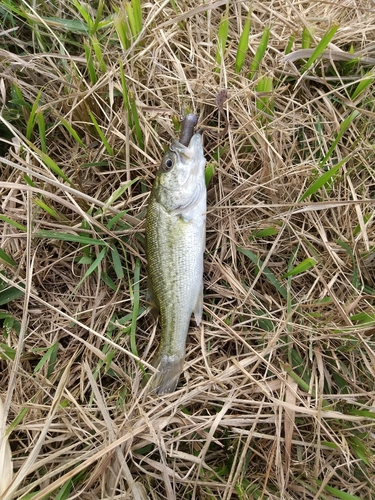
198, 308
151, 298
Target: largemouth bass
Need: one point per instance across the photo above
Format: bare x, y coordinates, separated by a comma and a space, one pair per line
175, 237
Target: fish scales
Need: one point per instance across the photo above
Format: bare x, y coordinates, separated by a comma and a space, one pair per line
175, 233
176, 270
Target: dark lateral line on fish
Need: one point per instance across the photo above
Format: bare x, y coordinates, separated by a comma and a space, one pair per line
187, 128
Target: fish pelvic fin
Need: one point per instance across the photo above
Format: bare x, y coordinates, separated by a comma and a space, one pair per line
169, 371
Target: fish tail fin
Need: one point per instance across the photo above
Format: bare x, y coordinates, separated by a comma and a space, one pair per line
169, 370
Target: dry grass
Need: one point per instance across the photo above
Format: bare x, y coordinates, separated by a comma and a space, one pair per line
277, 395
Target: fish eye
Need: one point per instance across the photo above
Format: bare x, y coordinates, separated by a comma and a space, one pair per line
167, 164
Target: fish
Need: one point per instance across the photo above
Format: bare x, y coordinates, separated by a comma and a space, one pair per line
175, 244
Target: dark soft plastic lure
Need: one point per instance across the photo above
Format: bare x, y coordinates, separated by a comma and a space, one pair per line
187, 128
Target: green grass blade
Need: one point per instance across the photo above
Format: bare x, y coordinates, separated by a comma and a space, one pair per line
9, 293
73, 238
6, 352
65, 491
243, 45
71, 130
137, 9
264, 101
362, 86
32, 116
209, 173
99, 13
17, 99
135, 301
307, 37
131, 18
289, 45
47, 208
355, 275
323, 179
49, 358
301, 268
303, 385
108, 281
100, 133
42, 131
289, 305
259, 54
94, 266
21, 415
174, 6
98, 54
331, 445
343, 128
341, 495
90, 63
359, 449
70, 26
85, 259
266, 271
363, 317
262, 321
264, 233
116, 259
118, 193
138, 129
80, 6
13, 223
125, 96
347, 248
121, 27
362, 413
176, 123
322, 45
357, 229
52, 165
327, 176
114, 220
222, 37
6, 258
54, 349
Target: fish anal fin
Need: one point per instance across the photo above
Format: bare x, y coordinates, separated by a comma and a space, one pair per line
198, 308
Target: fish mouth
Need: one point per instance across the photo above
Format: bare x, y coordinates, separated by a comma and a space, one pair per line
185, 155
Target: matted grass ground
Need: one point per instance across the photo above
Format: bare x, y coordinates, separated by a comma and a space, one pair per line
277, 395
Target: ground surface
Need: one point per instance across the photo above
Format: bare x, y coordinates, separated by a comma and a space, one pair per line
277, 395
